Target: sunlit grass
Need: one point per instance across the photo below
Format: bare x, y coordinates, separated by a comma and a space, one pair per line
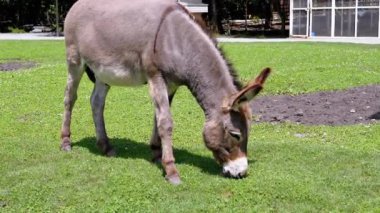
329, 169
308, 67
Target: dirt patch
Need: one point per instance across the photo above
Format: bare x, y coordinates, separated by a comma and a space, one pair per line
14, 65
352, 106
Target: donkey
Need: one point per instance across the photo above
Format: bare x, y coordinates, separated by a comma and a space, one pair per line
133, 42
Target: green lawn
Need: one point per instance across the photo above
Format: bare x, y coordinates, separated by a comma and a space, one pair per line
330, 169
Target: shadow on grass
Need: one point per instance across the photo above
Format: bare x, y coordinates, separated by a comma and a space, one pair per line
126, 148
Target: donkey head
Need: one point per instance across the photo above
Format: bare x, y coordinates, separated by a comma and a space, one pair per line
226, 135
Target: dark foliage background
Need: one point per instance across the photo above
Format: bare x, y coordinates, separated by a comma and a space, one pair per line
23, 14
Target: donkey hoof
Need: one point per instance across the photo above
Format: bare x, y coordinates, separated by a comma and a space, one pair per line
111, 153
173, 179
157, 157
66, 145
157, 160
106, 148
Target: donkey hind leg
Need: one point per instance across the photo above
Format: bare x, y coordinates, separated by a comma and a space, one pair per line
75, 73
98, 98
159, 94
155, 141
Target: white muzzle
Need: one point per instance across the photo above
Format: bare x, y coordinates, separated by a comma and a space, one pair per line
236, 168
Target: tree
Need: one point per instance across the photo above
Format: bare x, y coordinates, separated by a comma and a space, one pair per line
224, 10
57, 16
281, 6
215, 14
33, 12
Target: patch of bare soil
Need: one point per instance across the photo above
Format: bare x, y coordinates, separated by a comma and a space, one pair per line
352, 106
14, 65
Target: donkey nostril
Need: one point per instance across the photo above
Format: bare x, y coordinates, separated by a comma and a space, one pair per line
243, 174
226, 173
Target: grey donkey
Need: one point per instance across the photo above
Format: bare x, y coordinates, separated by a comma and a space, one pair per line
134, 42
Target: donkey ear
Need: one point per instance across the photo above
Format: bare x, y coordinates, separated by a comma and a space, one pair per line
248, 92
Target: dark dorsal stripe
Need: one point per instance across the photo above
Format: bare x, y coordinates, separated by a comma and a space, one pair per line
178, 6
166, 12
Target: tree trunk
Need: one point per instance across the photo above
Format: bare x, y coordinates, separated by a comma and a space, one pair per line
215, 20
282, 13
246, 15
57, 17
268, 14
213, 11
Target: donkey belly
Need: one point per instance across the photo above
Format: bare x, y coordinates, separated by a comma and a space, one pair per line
118, 75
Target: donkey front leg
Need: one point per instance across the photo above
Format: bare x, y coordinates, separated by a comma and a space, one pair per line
75, 72
98, 99
164, 122
155, 141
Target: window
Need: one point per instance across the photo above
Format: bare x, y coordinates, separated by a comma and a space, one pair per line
345, 3
300, 3
345, 22
321, 22
299, 22
368, 22
337, 18
322, 3
368, 2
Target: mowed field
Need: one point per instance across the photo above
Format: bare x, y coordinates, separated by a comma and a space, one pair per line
330, 168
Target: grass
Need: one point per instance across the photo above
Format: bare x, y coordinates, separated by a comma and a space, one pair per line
309, 67
330, 169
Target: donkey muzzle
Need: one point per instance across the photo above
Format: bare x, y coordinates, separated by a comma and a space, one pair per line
237, 168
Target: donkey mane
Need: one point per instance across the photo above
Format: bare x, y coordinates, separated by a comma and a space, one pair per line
231, 69
235, 77
201, 23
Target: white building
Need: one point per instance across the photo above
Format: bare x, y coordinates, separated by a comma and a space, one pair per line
334, 18
195, 6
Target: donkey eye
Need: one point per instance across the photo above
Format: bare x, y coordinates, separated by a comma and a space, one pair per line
228, 149
235, 134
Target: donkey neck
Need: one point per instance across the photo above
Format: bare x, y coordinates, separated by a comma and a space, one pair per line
210, 81
187, 55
